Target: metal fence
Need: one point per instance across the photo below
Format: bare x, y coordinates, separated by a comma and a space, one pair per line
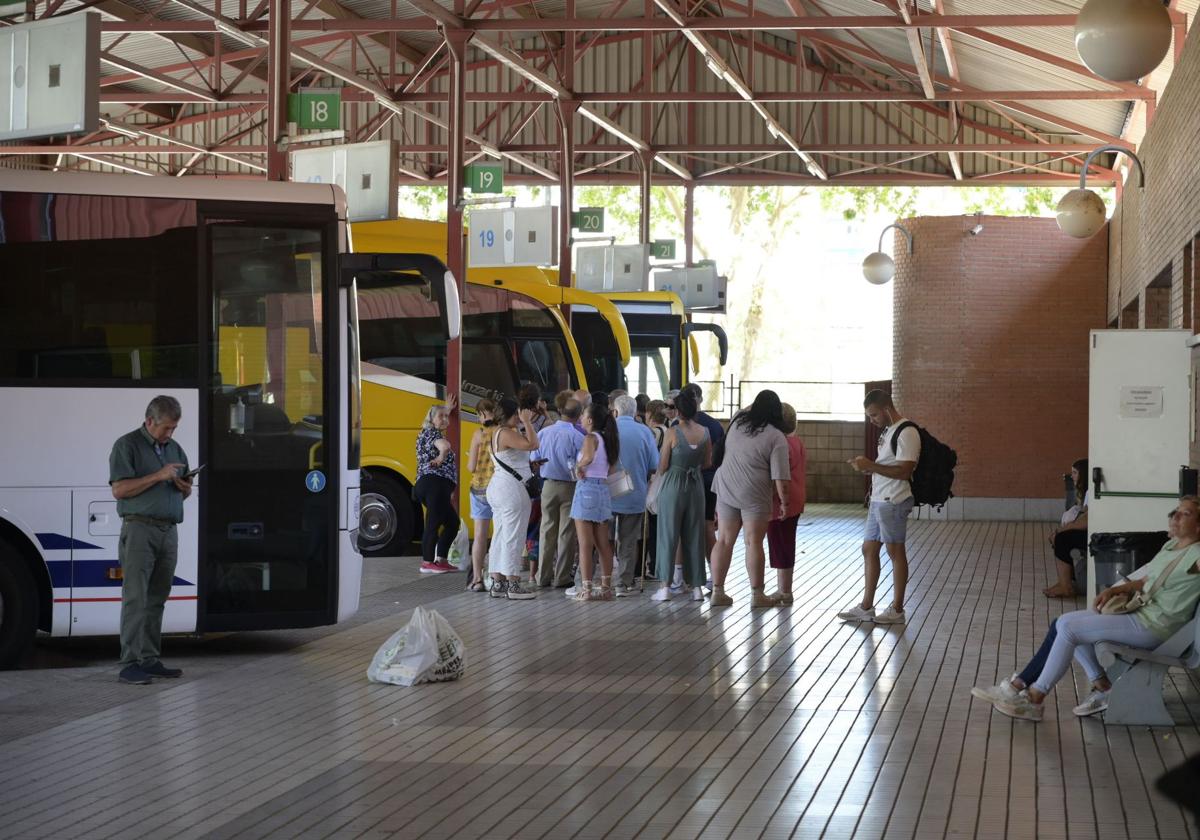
812, 400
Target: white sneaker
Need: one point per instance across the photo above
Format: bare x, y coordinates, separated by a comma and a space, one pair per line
1002, 690
677, 588
570, 593
663, 593
1020, 707
857, 613
890, 615
1095, 703
697, 594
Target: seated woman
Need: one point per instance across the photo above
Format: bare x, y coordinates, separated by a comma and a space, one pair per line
1172, 606
1072, 535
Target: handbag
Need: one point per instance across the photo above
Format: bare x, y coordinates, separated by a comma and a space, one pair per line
1125, 604
652, 493
619, 483
533, 486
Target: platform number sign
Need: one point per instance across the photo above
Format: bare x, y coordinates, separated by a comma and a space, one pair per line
485, 178
588, 220
663, 249
316, 109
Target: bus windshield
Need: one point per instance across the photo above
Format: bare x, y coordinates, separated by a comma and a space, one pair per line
508, 339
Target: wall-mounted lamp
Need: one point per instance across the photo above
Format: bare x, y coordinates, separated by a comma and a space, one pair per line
978, 228
879, 268
1122, 40
1081, 212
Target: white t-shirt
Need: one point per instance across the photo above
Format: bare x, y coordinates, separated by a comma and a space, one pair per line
908, 448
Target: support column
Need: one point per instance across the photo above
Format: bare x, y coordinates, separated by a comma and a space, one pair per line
278, 84
689, 221
647, 158
456, 46
566, 181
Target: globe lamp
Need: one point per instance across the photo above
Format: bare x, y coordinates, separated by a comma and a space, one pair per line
1122, 40
1081, 213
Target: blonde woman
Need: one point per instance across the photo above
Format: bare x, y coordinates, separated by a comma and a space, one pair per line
481, 465
437, 477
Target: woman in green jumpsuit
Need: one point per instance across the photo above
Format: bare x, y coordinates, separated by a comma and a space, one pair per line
686, 450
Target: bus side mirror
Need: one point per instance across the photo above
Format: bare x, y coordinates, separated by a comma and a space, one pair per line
453, 306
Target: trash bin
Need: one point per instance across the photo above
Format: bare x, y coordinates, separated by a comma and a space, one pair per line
1119, 553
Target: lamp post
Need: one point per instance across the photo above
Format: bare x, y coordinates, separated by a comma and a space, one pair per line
879, 268
1122, 40
1081, 212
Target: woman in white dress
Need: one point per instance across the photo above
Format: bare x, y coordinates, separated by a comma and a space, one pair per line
509, 499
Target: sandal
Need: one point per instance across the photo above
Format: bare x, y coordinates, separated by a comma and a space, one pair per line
477, 586
584, 592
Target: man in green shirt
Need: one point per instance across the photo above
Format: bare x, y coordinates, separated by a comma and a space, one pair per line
146, 472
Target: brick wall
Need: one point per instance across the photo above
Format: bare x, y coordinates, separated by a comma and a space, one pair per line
1153, 227
828, 445
991, 347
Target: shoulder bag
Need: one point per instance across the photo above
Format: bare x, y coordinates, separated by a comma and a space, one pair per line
532, 485
1125, 604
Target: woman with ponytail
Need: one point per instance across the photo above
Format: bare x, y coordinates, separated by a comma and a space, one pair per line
592, 507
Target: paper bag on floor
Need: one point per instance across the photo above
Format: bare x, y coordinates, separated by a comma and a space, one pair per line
426, 650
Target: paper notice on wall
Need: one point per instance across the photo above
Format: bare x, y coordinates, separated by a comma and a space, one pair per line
1141, 401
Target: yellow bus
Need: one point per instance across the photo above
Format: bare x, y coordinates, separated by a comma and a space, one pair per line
514, 332
664, 352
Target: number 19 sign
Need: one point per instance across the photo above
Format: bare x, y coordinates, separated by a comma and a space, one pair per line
485, 178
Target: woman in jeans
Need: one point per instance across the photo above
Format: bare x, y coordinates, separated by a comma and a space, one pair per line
509, 499
592, 506
1171, 607
754, 470
437, 476
481, 466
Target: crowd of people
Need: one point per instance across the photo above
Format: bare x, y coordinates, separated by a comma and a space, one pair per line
617, 481
614, 489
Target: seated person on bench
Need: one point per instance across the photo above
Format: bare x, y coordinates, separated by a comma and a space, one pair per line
1172, 607
1072, 535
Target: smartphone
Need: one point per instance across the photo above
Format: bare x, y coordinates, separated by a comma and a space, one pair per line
192, 474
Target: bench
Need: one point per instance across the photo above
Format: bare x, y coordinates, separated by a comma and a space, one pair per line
1137, 675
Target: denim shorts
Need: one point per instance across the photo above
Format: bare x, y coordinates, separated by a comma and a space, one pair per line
480, 509
887, 522
592, 502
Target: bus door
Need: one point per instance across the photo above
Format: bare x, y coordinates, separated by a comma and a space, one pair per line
270, 507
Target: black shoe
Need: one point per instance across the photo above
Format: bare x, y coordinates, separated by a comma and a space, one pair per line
158, 669
133, 675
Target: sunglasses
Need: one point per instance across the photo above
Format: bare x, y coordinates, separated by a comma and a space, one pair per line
671, 406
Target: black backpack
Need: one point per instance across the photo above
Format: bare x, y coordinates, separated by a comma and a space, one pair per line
934, 475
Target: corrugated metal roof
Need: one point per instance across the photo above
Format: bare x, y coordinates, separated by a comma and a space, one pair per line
858, 59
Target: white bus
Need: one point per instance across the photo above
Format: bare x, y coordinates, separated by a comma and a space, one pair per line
238, 299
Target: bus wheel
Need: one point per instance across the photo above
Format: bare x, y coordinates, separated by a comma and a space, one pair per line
385, 519
18, 607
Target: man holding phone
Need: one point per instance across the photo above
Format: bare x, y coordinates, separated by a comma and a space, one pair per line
148, 473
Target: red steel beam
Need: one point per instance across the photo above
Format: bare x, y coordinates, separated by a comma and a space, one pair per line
756, 22
668, 97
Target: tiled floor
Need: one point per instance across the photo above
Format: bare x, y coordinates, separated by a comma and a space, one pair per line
625, 719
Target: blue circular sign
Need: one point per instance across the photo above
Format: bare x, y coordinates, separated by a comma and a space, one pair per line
315, 481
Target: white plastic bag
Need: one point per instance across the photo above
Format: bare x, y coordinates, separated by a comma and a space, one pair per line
652, 493
460, 550
425, 650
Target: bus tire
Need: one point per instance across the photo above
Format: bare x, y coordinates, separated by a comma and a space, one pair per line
387, 518
18, 607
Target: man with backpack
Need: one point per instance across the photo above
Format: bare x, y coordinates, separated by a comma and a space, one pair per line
891, 502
